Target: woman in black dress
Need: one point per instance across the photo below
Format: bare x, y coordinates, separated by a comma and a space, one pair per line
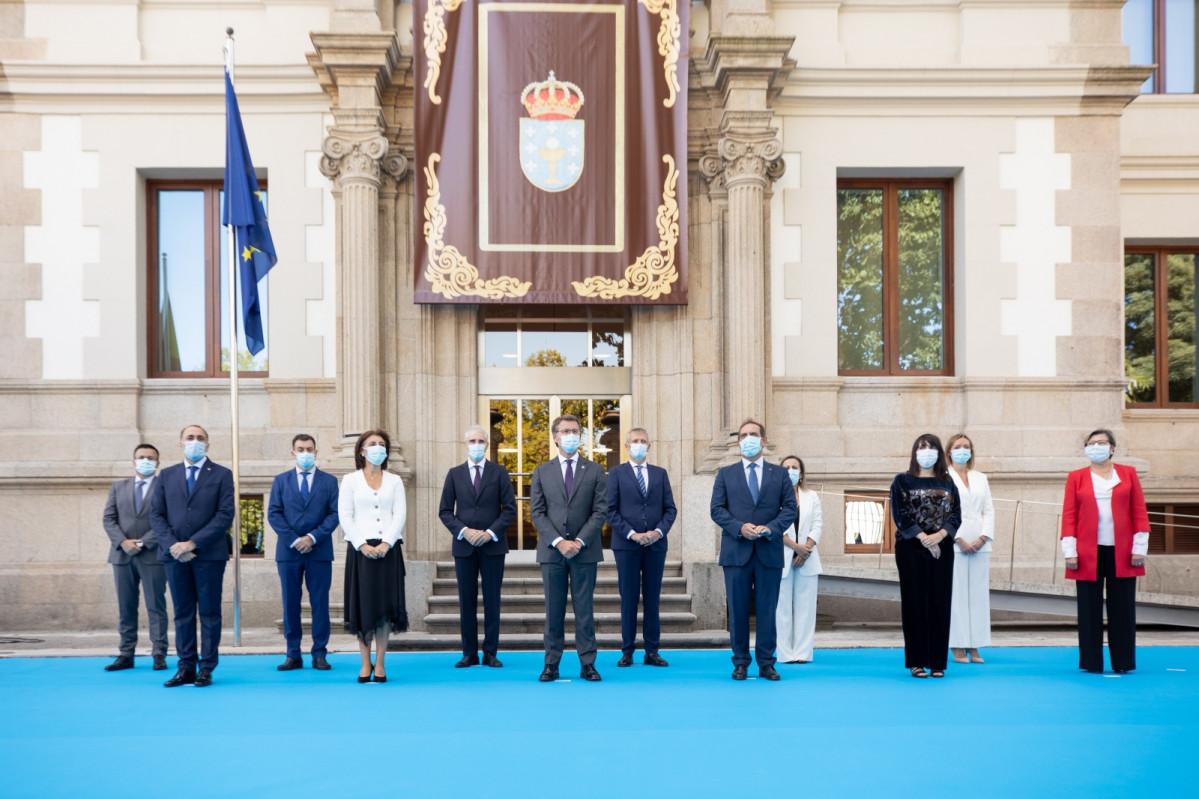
927, 513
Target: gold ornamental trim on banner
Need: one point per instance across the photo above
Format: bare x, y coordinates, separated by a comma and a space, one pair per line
652, 274
448, 271
669, 32
436, 39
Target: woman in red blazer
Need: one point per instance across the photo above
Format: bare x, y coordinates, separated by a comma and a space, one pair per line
1105, 536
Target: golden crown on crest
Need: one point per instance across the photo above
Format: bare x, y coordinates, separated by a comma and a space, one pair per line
552, 99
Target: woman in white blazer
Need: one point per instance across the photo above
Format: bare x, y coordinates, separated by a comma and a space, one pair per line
970, 612
795, 615
372, 509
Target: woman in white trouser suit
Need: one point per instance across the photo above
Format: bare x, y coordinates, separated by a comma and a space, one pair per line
795, 616
970, 612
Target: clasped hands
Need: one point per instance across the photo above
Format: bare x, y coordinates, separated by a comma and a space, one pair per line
569, 548
752, 531
476, 538
932, 542
375, 553
303, 545
182, 551
647, 538
974, 545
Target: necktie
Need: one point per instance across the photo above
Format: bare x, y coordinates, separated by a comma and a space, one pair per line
304, 487
478, 479
139, 496
570, 476
641, 480
753, 482
191, 478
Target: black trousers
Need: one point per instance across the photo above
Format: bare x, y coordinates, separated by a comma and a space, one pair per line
925, 592
1121, 617
468, 569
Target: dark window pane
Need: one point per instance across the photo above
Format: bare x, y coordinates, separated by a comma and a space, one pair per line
182, 322
860, 279
1138, 36
1180, 46
245, 361
554, 343
1180, 331
921, 279
1139, 333
607, 344
499, 345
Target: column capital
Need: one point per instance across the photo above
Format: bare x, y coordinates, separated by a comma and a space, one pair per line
754, 157
361, 157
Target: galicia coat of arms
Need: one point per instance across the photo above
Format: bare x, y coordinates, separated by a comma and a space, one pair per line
551, 139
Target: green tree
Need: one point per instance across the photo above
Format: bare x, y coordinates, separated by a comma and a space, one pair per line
1139, 334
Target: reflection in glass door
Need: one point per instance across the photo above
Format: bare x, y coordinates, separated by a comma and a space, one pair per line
521, 440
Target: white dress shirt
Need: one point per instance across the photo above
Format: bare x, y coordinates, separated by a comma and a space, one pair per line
470, 469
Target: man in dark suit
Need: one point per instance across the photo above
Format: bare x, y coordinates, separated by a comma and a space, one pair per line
134, 559
477, 507
191, 513
303, 513
753, 503
567, 504
640, 512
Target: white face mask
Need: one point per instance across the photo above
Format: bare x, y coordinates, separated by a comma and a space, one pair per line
926, 458
476, 451
1098, 453
751, 446
638, 451
795, 476
375, 455
569, 443
961, 455
145, 466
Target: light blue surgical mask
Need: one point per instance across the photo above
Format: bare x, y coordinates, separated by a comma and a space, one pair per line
476, 451
794, 475
375, 455
569, 443
926, 458
145, 466
194, 449
751, 446
638, 451
961, 455
305, 460
1098, 453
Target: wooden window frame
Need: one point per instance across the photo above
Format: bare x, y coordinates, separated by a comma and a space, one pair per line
214, 239
887, 544
1161, 351
1163, 527
890, 189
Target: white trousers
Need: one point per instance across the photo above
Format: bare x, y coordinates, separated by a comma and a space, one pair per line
795, 617
970, 613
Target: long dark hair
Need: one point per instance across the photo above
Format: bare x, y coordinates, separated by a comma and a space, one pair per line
360, 459
940, 470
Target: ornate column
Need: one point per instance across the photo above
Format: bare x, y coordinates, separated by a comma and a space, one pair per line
745, 73
356, 69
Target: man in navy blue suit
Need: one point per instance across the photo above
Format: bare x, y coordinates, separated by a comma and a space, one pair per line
640, 512
753, 503
303, 513
477, 507
191, 514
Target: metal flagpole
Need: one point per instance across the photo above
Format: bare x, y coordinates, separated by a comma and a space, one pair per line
233, 353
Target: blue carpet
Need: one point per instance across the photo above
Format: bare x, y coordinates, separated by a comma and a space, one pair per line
853, 723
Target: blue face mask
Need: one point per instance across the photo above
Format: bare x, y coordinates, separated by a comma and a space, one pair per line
569, 443
960, 456
476, 451
1098, 453
751, 446
376, 455
145, 467
305, 460
795, 476
194, 450
638, 451
926, 458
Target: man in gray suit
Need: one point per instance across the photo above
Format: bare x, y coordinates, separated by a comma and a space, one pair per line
568, 502
134, 559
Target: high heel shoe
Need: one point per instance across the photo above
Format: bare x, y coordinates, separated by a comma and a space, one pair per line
367, 678
377, 678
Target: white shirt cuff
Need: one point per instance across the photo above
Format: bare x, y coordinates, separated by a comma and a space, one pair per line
1140, 543
461, 533
1069, 547
629, 537
494, 537
554, 543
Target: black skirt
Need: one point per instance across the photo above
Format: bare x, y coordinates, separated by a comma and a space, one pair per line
374, 592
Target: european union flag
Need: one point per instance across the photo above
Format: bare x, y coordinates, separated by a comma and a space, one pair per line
245, 211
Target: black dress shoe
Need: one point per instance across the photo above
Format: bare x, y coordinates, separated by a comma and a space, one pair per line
203, 678
654, 659
740, 672
320, 664
120, 664
493, 661
291, 664
160, 662
625, 661
768, 672
467, 660
590, 674
549, 674
182, 677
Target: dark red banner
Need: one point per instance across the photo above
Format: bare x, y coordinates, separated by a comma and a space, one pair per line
551, 152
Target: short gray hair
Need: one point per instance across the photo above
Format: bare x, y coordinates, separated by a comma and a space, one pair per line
475, 428
636, 430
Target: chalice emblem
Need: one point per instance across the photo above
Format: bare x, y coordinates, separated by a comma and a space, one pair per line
551, 139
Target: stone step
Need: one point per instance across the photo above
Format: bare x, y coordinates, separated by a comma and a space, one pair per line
608, 643
445, 569
535, 622
536, 603
516, 585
